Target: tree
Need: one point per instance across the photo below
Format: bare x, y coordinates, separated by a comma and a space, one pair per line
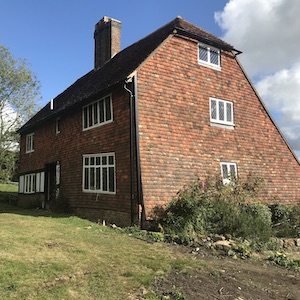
19, 95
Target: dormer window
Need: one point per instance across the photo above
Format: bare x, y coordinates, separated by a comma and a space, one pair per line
209, 56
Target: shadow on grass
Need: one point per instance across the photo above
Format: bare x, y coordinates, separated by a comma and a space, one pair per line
12, 208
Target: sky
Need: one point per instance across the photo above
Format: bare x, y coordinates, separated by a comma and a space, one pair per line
56, 38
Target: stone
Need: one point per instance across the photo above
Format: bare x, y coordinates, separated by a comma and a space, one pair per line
222, 245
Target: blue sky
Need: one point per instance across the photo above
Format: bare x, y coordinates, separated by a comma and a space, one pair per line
56, 37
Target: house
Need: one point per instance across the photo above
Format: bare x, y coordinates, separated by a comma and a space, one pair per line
125, 137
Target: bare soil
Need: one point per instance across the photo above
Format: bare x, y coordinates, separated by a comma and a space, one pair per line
225, 278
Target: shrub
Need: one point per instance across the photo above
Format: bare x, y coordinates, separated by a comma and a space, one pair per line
286, 220
213, 208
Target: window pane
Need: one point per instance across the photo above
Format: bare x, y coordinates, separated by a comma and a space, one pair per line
213, 109
225, 171
92, 161
86, 178
214, 57
232, 170
104, 179
107, 109
104, 160
98, 178
101, 112
110, 160
111, 179
95, 108
203, 53
86, 161
85, 118
221, 111
98, 160
92, 178
90, 115
229, 112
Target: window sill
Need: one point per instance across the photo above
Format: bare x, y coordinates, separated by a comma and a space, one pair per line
208, 65
225, 126
99, 192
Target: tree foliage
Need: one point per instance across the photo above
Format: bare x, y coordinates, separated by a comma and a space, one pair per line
19, 95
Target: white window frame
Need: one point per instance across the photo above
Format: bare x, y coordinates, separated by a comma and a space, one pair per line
226, 117
96, 114
29, 183
29, 142
32, 183
227, 176
93, 165
57, 126
207, 62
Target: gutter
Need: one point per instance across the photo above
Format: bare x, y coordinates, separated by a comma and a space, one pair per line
205, 40
135, 166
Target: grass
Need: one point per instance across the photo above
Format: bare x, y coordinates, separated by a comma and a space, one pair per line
9, 187
46, 256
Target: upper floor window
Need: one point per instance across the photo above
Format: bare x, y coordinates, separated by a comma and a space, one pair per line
57, 126
99, 173
97, 113
221, 111
229, 172
30, 142
209, 56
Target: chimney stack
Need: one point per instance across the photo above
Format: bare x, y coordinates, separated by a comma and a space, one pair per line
107, 40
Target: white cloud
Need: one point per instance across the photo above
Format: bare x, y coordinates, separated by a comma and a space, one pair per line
267, 31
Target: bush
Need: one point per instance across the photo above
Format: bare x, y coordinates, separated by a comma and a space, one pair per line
214, 208
286, 220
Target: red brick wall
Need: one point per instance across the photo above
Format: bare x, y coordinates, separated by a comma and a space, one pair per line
71, 143
177, 142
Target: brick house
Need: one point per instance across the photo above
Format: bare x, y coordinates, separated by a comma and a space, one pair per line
125, 137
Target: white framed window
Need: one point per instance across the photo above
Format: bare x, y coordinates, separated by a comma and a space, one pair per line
29, 183
209, 56
57, 126
99, 173
29, 142
229, 172
97, 113
221, 111
32, 183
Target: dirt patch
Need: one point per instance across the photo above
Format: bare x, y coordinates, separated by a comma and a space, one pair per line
227, 278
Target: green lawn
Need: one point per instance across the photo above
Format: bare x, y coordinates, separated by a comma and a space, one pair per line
45, 256
9, 187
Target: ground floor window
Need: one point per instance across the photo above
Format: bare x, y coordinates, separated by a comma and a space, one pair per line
99, 173
229, 172
32, 183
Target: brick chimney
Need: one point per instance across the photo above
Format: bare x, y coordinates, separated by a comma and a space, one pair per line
107, 40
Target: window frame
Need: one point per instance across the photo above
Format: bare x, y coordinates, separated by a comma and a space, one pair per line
29, 142
98, 172
32, 183
217, 120
29, 183
227, 177
207, 62
57, 126
95, 111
